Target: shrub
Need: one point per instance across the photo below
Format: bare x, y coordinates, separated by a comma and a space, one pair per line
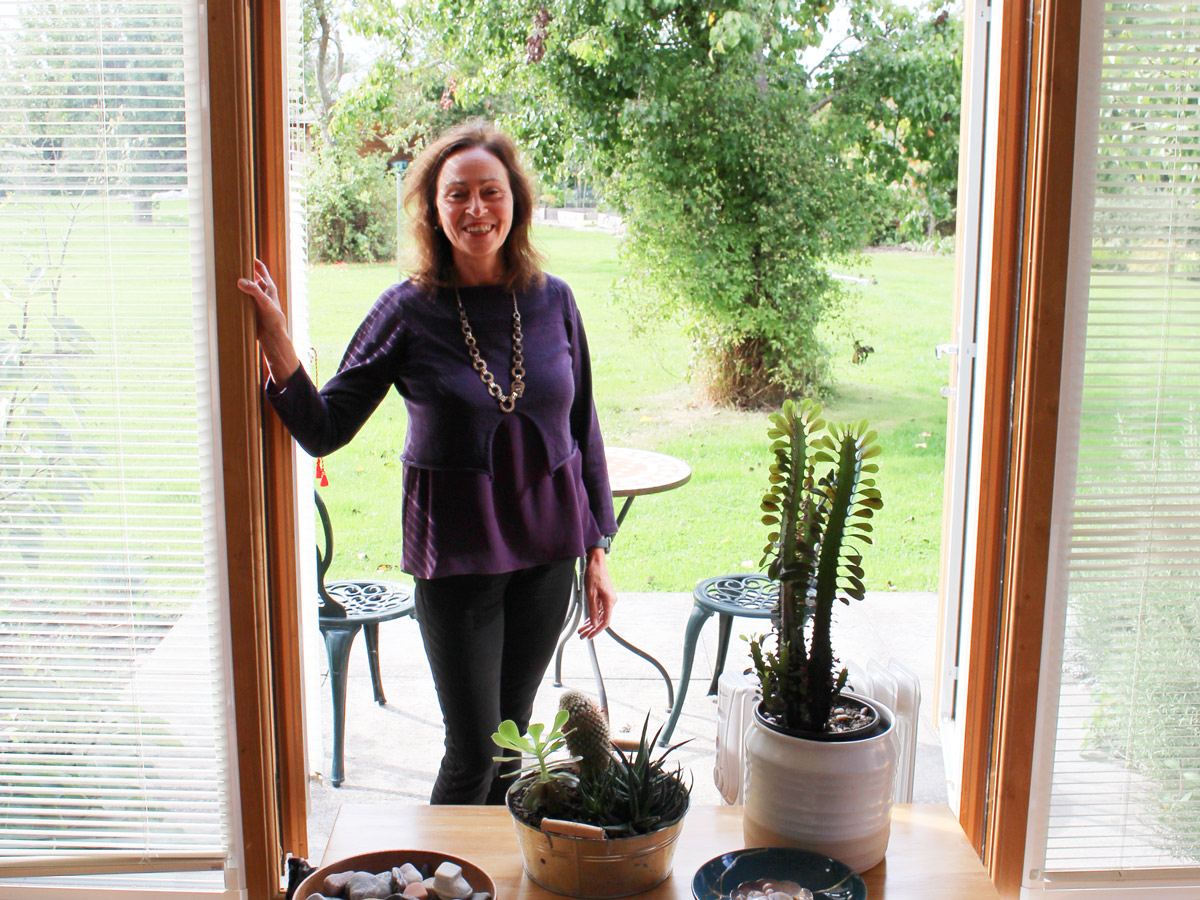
735, 208
351, 203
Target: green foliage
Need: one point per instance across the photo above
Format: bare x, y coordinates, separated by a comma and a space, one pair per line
813, 518
42, 468
50, 108
633, 794
696, 121
550, 780
351, 207
734, 207
1135, 641
894, 104
408, 94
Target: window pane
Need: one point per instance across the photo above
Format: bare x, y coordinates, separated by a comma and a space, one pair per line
1125, 791
113, 742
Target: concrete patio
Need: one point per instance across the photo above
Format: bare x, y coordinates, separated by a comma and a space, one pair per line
393, 751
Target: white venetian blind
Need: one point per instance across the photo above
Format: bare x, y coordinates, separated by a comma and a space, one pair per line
1124, 759
114, 744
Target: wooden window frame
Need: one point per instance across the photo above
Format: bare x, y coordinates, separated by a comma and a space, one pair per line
248, 109
1035, 147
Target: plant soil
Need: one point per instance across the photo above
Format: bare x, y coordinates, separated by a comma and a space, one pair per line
847, 718
533, 817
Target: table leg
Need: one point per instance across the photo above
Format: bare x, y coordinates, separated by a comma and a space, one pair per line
624, 509
574, 613
650, 659
591, 644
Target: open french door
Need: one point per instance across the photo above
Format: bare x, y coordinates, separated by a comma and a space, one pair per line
966, 382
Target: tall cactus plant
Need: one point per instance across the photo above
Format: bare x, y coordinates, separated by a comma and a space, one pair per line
815, 520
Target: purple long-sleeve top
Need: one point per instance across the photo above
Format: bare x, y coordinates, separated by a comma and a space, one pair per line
484, 492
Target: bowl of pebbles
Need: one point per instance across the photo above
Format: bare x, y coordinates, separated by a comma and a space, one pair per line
776, 873
398, 875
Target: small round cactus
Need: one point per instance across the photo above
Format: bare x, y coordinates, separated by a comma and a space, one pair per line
587, 732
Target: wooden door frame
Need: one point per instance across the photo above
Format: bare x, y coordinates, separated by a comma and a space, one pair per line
248, 128
1028, 280
1035, 147
283, 558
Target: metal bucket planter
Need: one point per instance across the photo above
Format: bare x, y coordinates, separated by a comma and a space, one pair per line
587, 864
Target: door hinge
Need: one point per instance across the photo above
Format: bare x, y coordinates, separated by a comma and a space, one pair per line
968, 350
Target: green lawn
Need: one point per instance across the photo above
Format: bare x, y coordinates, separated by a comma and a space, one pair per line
711, 525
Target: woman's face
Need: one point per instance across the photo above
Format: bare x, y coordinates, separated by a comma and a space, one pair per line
475, 210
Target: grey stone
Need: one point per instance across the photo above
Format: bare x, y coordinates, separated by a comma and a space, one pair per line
481, 895
365, 886
336, 883
411, 874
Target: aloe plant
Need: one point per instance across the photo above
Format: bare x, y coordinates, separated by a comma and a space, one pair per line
811, 551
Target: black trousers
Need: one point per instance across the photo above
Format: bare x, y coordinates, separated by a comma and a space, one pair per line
489, 639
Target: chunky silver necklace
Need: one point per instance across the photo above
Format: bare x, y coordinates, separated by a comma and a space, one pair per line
506, 401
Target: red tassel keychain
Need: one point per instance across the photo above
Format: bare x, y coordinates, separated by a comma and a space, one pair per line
322, 478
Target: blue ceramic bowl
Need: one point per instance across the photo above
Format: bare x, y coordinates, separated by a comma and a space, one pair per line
827, 878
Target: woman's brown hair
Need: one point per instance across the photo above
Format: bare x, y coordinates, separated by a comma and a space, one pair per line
430, 252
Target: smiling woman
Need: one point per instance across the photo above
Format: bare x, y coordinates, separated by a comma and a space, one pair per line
470, 208
503, 492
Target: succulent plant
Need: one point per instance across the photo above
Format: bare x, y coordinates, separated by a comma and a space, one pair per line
586, 731
632, 793
814, 520
551, 780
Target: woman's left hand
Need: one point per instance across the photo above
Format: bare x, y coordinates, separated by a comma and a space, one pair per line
599, 594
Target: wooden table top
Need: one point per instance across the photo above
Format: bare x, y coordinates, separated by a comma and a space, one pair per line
632, 473
928, 856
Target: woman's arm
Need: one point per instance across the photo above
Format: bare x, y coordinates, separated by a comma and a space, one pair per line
585, 425
322, 421
598, 591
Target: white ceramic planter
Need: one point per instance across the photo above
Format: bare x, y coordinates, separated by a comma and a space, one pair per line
833, 798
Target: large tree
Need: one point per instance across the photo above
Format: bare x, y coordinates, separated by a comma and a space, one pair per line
703, 125
893, 97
